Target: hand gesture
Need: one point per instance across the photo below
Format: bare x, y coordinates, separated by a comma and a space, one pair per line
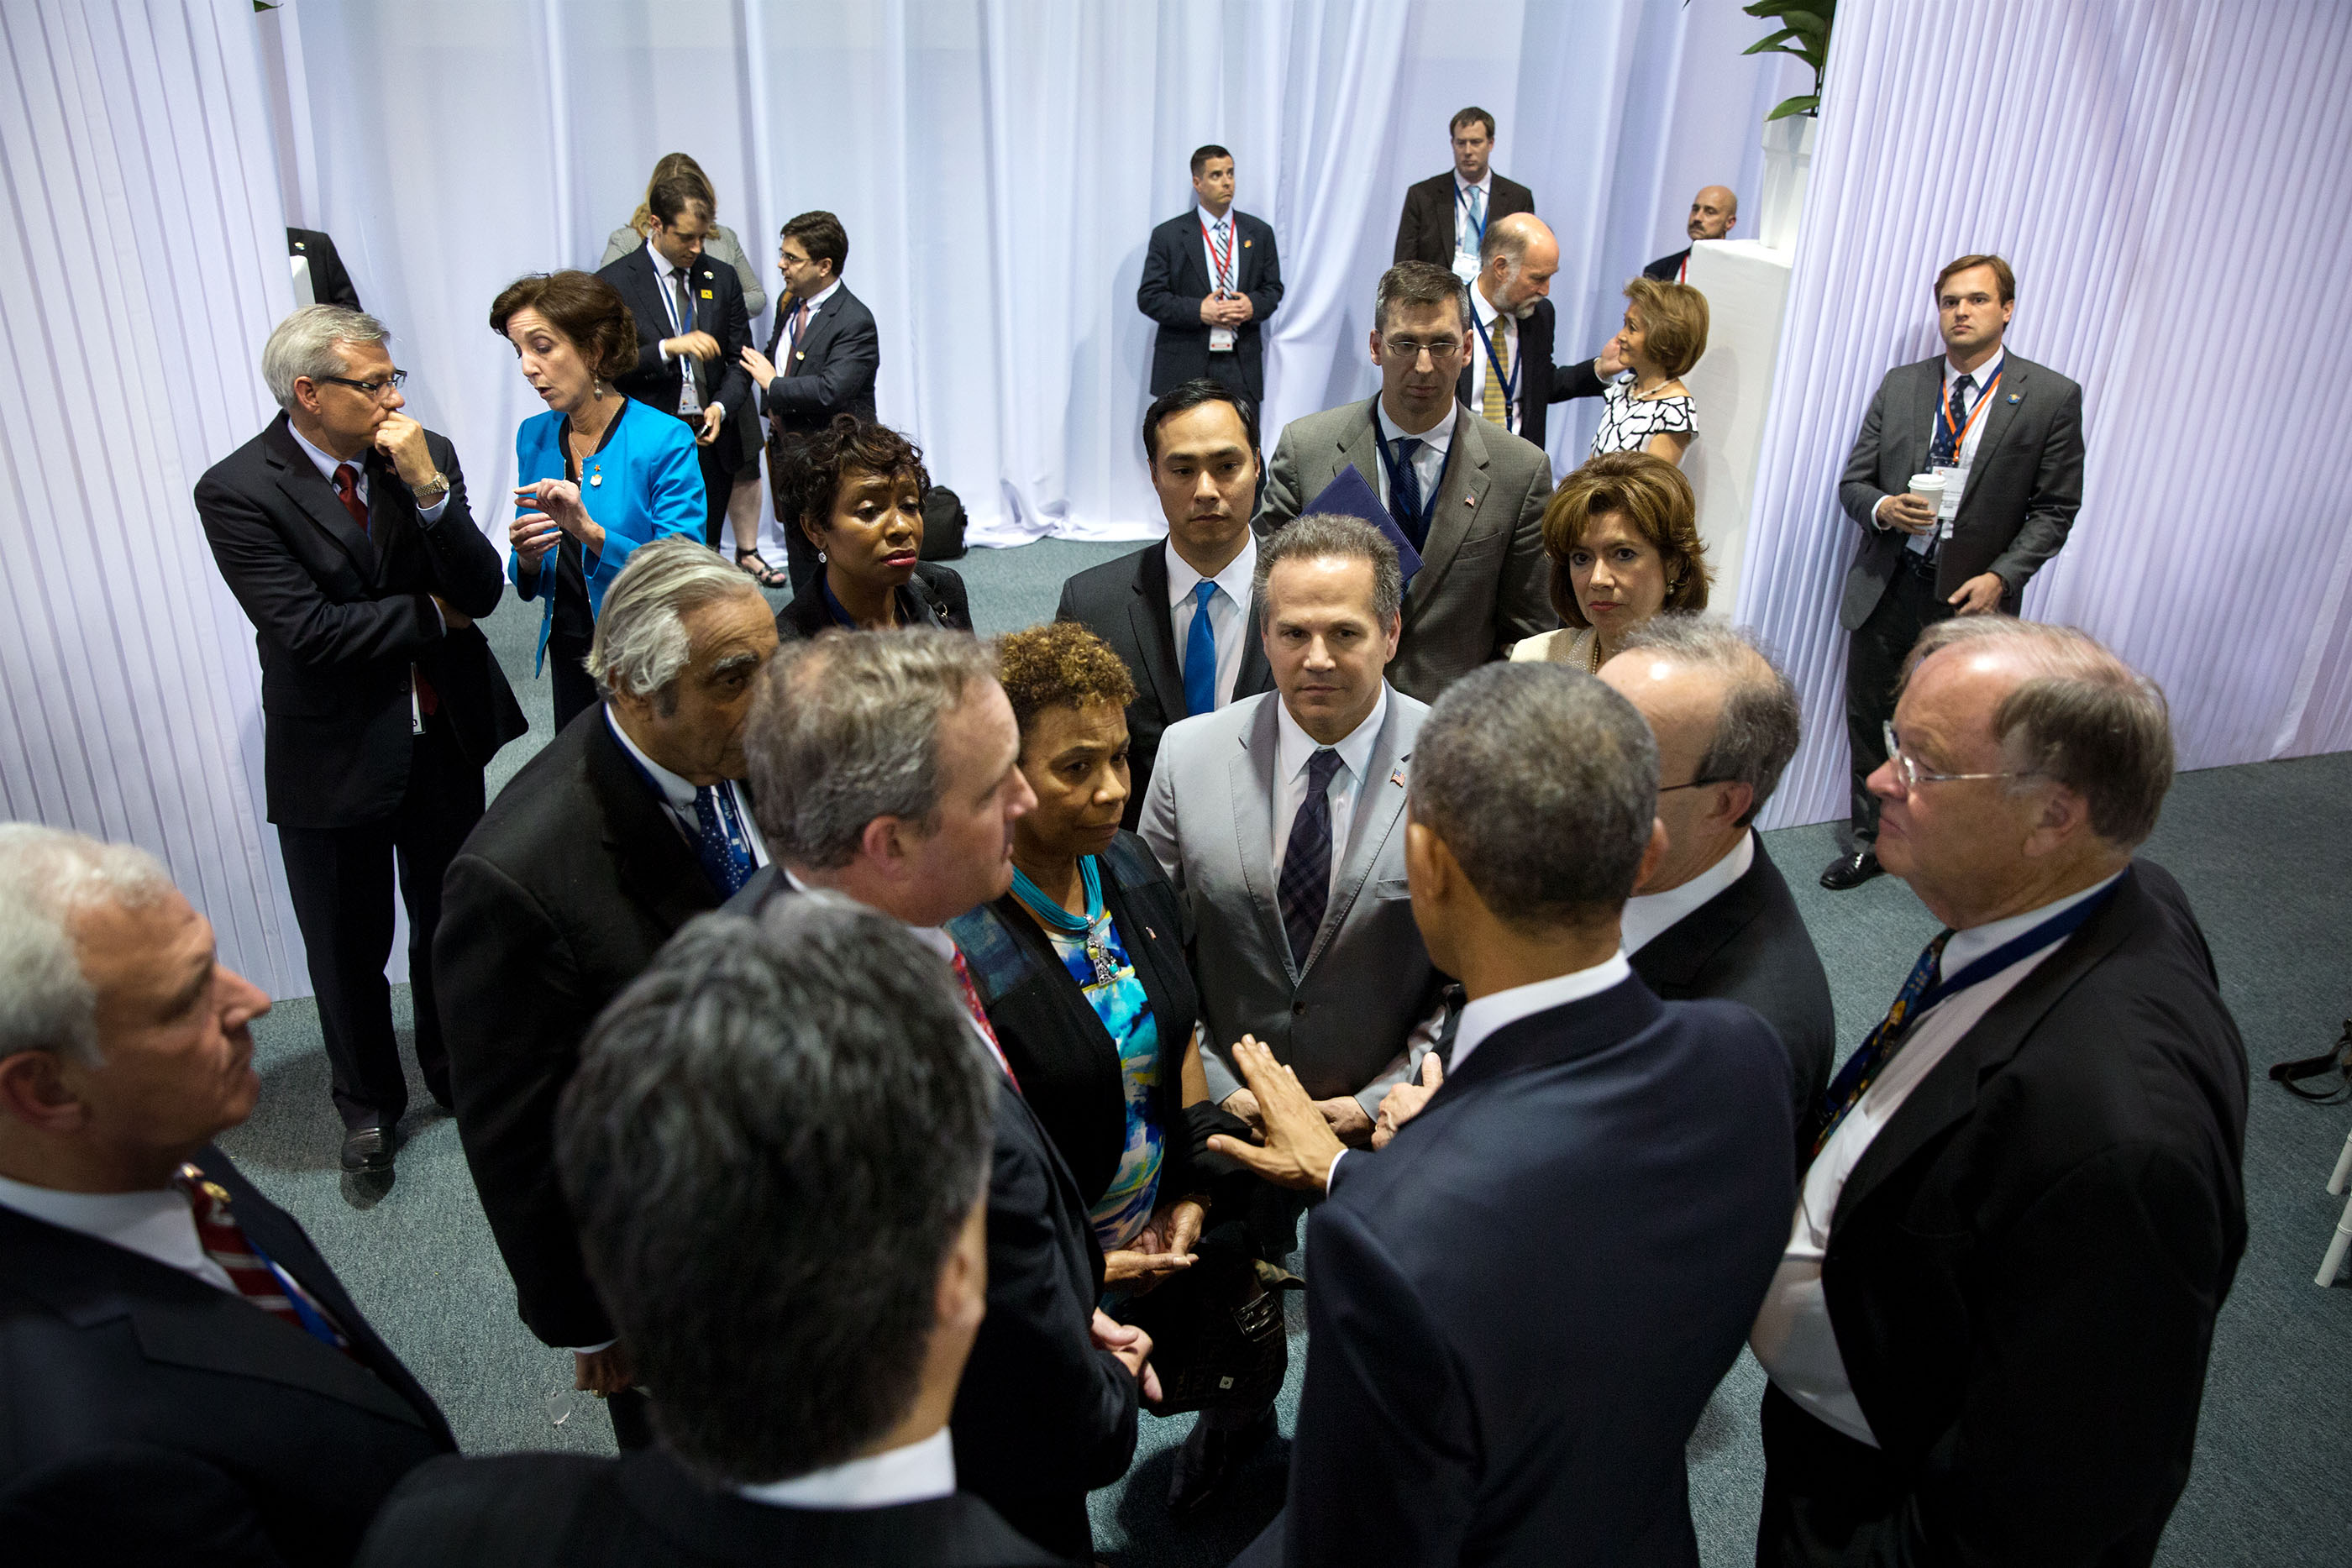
1131, 1345
1979, 595
1346, 1120
761, 369
1243, 1104
1910, 513
1299, 1142
713, 415
1608, 364
700, 347
452, 618
1405, 1101
533, 533
402, 439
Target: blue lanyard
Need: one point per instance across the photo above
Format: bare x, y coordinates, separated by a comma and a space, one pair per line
1511, 382
1477, 225
2056, 928
1396, 475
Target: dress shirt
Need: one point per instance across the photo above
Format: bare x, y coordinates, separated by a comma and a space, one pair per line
815, 304
677, 795
914, 1473
1504, 329
1965, 459
1220, 338
666, 277
328, 462
1793, 1337
1466, 237
1228, 610
1428, 462
1294, 749
157, 1225
1651, 915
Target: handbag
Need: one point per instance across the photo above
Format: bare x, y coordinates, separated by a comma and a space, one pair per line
1217, 1333
2336, 1059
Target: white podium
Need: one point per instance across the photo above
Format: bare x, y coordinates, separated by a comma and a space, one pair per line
1745, 285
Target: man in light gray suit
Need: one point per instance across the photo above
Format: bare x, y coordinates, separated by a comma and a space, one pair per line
1280, 820
1468, 494
2005, 435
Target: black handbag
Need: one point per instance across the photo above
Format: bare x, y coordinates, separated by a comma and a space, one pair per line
944, 524
2335, 1060
1216, 1329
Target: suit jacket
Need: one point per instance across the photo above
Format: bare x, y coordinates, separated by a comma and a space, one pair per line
934, 597
562, 894
1425, 227
1748, 944
340, 614
1483, 582
1176, 279
2024, 487
647, 1510
717, 310
2023, 1269
1043, 1417
1341, 1015
1523, 1304
1541, 382
1125, 604
330, 283
154, 1418
831, 372
1665, 268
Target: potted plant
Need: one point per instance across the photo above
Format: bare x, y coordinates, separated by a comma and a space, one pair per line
1789, 128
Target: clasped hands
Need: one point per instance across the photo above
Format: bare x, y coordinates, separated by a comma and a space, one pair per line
547, 510
1163, 1246
1225, 310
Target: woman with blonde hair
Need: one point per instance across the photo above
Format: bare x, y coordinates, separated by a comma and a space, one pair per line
1622, 535
1648, 409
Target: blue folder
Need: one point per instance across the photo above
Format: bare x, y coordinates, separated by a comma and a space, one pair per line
1353, 495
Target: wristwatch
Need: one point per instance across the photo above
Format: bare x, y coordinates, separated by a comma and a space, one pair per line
431, 490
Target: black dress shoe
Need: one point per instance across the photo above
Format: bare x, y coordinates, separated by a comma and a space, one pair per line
367, 1149
1851, 871
1211, 1458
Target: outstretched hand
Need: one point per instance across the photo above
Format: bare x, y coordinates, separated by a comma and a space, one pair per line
1405, 1101
1299, 1142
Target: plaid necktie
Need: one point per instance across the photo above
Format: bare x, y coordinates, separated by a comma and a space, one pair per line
224, 1242
1304, 890
1863, 1066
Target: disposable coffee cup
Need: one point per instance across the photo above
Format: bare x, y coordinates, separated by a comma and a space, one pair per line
1929, 487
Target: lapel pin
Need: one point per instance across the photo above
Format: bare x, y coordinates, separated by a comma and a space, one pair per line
2016, 397
1245, 244
1397, 778
1469, 500
801, 354
706, 294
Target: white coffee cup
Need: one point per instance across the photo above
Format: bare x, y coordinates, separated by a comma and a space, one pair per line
1929, 487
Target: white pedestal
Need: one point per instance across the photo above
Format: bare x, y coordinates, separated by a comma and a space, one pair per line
1745, 285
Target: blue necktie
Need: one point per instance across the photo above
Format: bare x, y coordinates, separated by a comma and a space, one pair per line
1885, 1041
1944, 450
1304, 890
1200, 654
722, 845
1404, 491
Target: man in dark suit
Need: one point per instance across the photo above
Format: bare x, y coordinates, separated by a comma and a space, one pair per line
330, 284
343, 531
1713, 212
691, 334
1987, 1339
1447, 215
1211, 278
2005, 437
820, 362
1180, 613
1521, 1305
886, 768
630, 822
1469, 497
186, 1381
803, 1284
1508, 377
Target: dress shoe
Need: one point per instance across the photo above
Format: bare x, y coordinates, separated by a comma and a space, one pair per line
367, 1149
1851, 871
1209, 1459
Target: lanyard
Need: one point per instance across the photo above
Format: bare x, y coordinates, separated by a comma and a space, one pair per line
2056, 928
1511, 382
314, 1321
670, 300
1944, 414
1476, 224
1396, 474
1221, 260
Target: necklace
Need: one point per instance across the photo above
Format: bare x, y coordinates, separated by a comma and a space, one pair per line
1090, 926
1596, 652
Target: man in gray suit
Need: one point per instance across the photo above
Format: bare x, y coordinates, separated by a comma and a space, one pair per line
2006, 436
1280, 820
1469, 494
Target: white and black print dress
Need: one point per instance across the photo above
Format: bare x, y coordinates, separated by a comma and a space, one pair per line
1626, 426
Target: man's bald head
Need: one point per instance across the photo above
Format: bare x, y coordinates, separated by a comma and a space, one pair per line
1713, 212
1516, 259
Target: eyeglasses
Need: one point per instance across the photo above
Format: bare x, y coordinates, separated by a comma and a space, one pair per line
1406, 351
1908, 769
370, 389
1694, 784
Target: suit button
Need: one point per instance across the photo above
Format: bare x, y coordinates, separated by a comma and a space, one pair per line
1299, 1010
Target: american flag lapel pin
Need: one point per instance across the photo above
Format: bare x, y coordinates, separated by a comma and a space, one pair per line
1397, 778
1469, 500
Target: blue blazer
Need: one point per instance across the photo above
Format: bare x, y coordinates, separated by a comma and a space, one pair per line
651, 486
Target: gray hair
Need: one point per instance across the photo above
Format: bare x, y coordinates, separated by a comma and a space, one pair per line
304, 344
1760, 721
845, 728
1418, 282
772, 1143
2081, 717
1321, 536
46, 875
1543, 782
641, 644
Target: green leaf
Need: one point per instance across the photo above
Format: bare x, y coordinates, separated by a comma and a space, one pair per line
1813, 27
1805, 105
1783, 37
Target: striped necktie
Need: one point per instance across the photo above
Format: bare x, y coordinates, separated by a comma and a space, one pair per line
255, 1278
1494, 406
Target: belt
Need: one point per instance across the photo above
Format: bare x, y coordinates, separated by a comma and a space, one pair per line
1919, 565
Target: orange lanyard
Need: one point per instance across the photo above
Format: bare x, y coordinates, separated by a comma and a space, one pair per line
1944, 414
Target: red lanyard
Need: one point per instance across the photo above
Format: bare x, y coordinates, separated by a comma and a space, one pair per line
1944, 414
1223, 260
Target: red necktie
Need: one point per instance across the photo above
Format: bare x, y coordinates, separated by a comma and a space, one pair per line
346, 486
979, 1017
225, 1243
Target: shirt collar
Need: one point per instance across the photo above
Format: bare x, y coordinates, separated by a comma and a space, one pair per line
1982, 376
1234, 580
1967, 947
817, 301
1652, 915
1438, 436
1486, 182
914, 1473
1210, 219
675, 790
1296, 747
157, 1225
327, 460
1489, 1013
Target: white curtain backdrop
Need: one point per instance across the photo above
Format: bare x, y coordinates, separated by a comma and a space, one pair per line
2170, 180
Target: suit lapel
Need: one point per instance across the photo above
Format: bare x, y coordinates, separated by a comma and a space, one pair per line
1359, 447
819, 331
1256, 675
1997, 419
1920, 420
657, 870
1380, 800
1459, 496
1155, 635
1676, 955
1249, 779
308, 489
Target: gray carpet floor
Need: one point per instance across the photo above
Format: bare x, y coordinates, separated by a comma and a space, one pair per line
2261, 849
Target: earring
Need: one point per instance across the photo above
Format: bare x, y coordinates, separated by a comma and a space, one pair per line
820, 558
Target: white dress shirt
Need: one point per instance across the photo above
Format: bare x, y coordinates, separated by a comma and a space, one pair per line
1429, 461
1228, 610
914, 1473
1229, 237
1652, 914
1294, 749
1505, 330
815, 303
690, 396
677, 795
1466, 235
157, 1225
1793, 1337
1965, 457
328, 462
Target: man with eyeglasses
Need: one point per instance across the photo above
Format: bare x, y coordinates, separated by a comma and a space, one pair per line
343, 531
1988, 1334
1466, 494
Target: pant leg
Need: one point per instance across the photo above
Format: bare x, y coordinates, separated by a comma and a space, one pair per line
574, 692
443, 803
339, 880
747, 504
1873, 662
718, 485
633, 1421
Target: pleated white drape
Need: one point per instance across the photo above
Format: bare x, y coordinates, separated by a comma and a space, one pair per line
2173, 182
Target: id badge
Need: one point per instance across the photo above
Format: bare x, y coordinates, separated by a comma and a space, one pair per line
1465, 265
1956, 481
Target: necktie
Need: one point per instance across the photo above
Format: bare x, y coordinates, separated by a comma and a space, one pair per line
690, 396
347, 487
979, 1017
1863, 1066
1494, 406
1306, 886
722, 846
1404, 489
224, 1241
1944, 450
1200, 653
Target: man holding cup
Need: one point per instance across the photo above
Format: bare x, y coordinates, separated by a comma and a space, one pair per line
1965, 479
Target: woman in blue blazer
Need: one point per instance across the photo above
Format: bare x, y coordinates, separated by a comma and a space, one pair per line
596, 477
